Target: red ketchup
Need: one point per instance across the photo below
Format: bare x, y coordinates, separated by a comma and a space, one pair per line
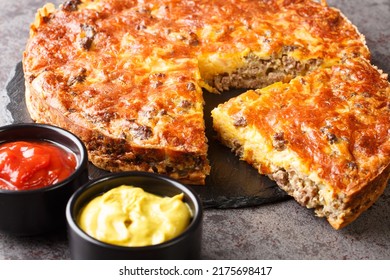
26, 165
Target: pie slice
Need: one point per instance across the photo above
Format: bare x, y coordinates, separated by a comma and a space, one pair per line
324, 138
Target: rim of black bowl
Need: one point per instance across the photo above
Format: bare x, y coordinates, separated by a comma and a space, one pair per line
195, 221
83, 153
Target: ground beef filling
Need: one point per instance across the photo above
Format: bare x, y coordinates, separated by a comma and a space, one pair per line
258, 73
307, 193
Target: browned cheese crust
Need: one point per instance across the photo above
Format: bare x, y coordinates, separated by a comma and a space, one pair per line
127, 76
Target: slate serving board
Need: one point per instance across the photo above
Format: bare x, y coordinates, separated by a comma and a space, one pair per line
231, 184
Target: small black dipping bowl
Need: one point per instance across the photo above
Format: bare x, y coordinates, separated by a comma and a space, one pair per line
185, 246
38, 211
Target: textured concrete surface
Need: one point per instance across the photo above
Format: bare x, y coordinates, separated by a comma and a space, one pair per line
275, 231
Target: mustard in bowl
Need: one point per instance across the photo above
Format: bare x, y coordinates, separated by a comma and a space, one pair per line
134, 215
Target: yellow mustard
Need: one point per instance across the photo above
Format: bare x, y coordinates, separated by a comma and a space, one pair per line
129, 216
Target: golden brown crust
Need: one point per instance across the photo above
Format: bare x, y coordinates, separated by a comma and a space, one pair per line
126, 76
362, 199
116, 154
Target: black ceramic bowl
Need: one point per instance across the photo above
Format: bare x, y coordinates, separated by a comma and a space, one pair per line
185, 246
38, 211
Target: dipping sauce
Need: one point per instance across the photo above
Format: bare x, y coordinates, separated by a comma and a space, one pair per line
26, 165
129, 216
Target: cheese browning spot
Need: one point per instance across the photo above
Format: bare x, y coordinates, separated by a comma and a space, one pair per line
86, 36
70, 5
79, 77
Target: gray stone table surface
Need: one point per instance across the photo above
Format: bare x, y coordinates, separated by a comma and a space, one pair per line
282, 230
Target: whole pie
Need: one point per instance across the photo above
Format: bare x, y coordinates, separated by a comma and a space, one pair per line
128, 77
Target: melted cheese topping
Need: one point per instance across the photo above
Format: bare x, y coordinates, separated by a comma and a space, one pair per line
133, 70
114, 48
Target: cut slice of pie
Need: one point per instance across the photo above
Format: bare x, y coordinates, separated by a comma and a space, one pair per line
324, 138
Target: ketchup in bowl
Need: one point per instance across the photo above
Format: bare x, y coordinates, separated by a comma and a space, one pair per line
26, 165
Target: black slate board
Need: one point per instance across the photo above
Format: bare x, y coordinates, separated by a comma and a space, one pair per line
231, 184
